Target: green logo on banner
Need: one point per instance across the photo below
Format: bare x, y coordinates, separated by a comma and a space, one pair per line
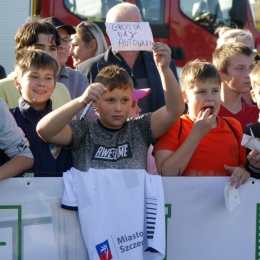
257, 246
168, 214
16, 225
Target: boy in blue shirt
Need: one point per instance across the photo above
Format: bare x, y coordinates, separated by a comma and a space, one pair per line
35, 79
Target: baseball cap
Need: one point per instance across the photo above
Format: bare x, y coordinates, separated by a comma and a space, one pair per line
59, 24
140, 93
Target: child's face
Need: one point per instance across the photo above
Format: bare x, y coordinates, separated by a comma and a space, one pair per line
114, 107
237, 77
255, 93
135, 109
44, 43
202, 96
36, 86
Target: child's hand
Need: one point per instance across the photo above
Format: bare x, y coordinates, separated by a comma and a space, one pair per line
93, 92
162, 55
204, 122
254, 159
239, 175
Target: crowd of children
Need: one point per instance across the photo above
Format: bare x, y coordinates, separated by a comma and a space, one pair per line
206, 141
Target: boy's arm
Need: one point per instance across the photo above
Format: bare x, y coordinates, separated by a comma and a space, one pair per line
13, 144
164, 118
15, 166
174, 163
54, 128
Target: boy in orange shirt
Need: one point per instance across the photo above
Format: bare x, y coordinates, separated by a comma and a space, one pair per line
201, 143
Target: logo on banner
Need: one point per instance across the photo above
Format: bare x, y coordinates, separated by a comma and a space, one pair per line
103, 251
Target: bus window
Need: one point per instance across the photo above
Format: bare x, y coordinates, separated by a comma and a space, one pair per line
152, 10
89, 9
208, 13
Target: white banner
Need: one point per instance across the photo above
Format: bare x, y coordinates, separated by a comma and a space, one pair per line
198, 224
201, 227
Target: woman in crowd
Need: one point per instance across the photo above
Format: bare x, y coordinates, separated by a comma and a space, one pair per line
88, 42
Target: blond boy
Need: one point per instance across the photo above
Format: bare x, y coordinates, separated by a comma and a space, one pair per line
253, 157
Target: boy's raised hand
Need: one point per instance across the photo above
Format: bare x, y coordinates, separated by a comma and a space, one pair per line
162, 55
204, 123
93, 92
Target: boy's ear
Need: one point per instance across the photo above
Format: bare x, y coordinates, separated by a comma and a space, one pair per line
253, 95
185, 98
223, 75
17, 83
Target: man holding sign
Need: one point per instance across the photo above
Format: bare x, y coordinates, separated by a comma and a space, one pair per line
131, 41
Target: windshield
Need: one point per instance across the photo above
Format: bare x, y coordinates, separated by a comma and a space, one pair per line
208, 12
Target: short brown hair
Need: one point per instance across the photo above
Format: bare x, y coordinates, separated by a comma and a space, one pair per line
198, 71
24, 59
114, 77
223, 54
255, 76
27, 35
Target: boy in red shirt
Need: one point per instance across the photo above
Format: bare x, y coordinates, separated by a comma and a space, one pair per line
235, 62
202, 143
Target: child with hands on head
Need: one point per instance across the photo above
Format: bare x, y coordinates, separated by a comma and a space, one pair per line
113, 141
201, 143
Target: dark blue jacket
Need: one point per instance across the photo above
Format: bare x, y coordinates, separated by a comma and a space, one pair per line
91, 68
49, 160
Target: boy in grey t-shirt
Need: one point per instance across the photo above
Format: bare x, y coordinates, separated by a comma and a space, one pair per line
113, 141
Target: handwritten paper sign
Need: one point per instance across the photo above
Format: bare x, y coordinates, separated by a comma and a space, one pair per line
130, 36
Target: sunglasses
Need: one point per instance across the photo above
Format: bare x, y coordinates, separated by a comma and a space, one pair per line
82, 24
